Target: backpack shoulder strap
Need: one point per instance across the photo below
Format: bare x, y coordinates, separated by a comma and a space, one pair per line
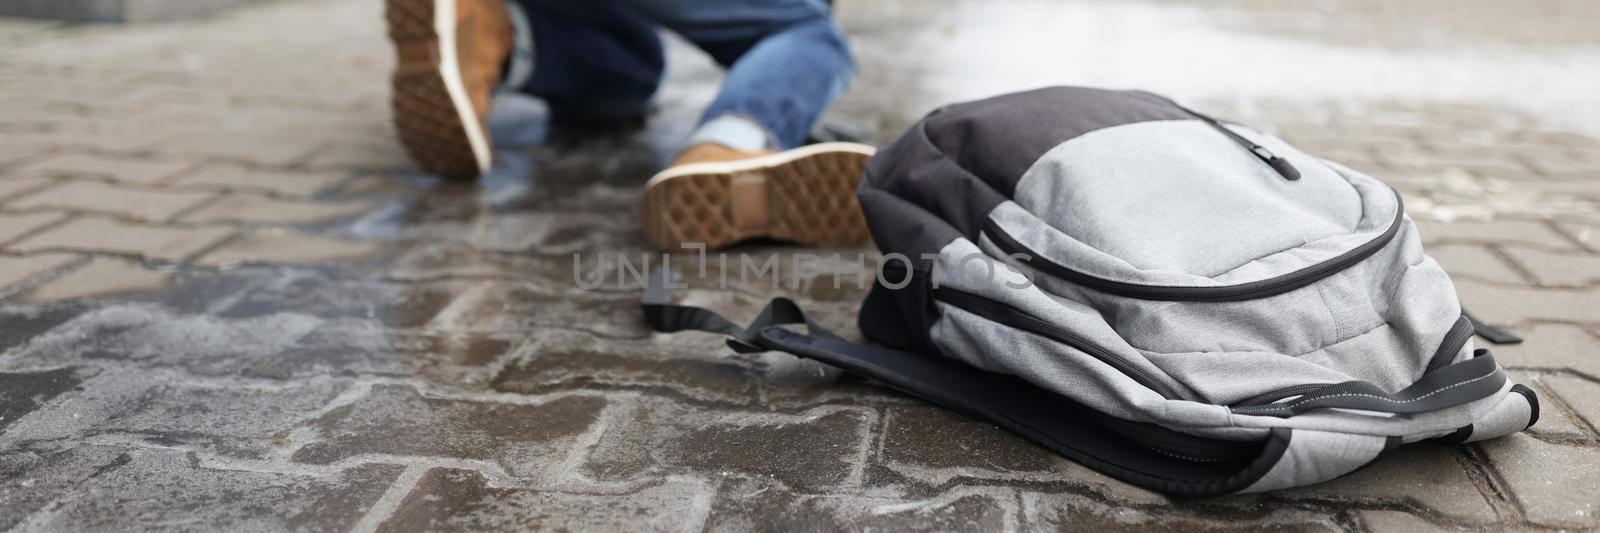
1143, 454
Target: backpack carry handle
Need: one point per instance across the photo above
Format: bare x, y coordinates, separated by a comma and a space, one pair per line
664, 316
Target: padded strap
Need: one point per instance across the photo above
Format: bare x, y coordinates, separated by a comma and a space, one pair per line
1470, 380
1143, 454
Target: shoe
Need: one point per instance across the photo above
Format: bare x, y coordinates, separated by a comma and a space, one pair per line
719, 196
451, 54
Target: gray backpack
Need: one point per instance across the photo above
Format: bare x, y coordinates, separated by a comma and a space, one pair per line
1188, 305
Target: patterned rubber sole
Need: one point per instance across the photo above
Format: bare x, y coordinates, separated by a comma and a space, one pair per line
809, 195
427, 118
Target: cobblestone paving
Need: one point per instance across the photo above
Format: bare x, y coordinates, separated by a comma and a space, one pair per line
227, 302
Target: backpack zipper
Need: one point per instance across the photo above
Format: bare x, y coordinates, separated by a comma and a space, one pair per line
1454, 340
1279, 394
1019, 319
1278, 164
1175, 444
1156, 438
1228, 293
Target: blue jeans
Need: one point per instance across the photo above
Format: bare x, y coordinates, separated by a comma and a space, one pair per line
602, 60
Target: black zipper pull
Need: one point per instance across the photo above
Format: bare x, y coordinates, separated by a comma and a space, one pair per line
1277, 163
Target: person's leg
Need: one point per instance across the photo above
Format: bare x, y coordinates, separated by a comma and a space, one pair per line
451, 53
786, 61
595, 61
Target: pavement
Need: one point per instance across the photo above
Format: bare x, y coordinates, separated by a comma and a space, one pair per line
227, 301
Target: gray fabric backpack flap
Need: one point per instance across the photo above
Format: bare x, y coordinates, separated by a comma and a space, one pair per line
1187, 305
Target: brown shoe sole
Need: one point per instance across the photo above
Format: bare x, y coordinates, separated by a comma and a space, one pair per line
809, 197
432, 112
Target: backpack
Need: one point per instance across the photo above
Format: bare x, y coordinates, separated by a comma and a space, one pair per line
1184, 304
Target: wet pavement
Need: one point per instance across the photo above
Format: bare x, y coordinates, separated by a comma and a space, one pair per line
228, 301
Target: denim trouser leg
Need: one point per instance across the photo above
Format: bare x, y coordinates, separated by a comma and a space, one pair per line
786, 60
595, 60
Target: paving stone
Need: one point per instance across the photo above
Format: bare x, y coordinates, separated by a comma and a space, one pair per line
204, 291
381, 185
101, 277
251, 209
1536, 233
809, 274
1588, 235
1412, 158
917, 444
15, 270
1426, 182
233, 419
433, 260
506, 307
559, 234
696, 368
684, 434
1504, 305
23, 323
1565, 167
1554, 423
14, 225
1582, 395
1385, 521
392, 304
21, 151
260, 147
1428, 476
1552, 346
756, 504
364, 348
1558, 153
920, 436
808, 452
1066, 511
165, 489
237, 178
565, 361
151, 336
70, 418
30, 480
527, 439
794, 383
1476, 262
362, 156
1553, 484
131, 170
136, 204
1558, 269
1588, 188
278, 246
11, 186
94, 234
938, 447
462, 500
23, 392
1486, 204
